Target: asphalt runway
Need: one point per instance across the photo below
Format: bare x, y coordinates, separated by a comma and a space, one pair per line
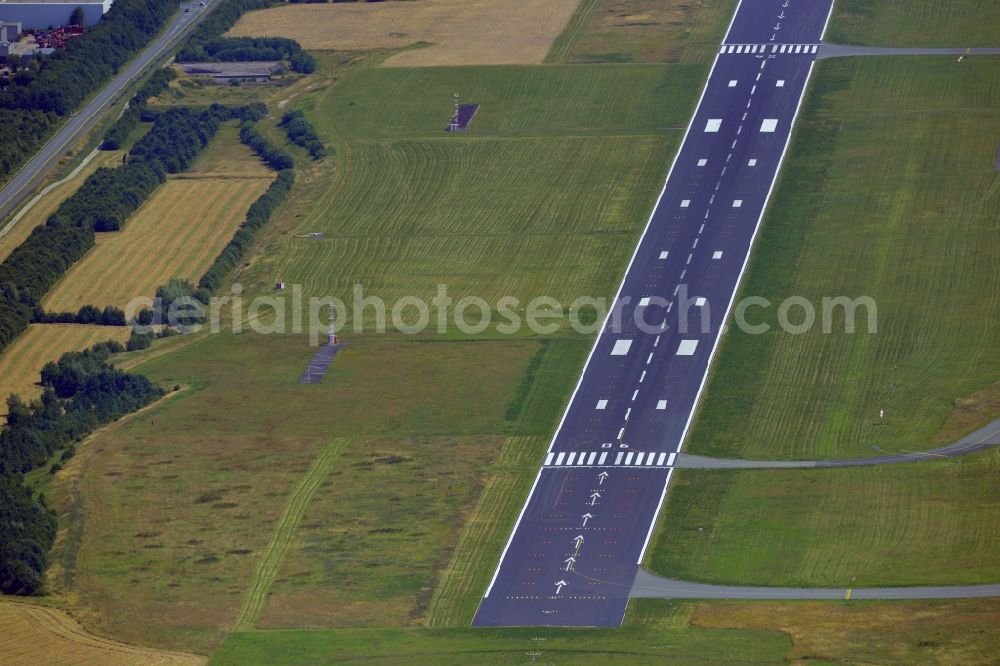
650, 586
78, 124
641, 382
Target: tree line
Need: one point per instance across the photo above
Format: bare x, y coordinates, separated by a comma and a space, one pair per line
300, 131
57, 84
82, 391
115, 137
208, 45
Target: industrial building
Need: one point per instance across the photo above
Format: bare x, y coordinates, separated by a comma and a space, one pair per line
41, 14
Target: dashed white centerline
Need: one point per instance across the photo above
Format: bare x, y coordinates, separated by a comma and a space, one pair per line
649, 359
635, 394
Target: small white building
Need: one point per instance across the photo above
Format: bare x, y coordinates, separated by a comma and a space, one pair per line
40, 14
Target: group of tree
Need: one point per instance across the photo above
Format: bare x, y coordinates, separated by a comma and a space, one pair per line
88, 314
275, 157
129, 120
82, 391
57, 84
208, 45
300, 131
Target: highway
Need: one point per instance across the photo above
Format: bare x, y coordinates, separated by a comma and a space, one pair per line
576, 547
76, 126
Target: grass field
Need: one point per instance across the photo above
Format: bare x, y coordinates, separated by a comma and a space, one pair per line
202, 479
655, 633
455, 32
889, 192
36, 634
899, 632
928, 523
914, 23
650, 31
178, 232
47, 201
22, 362
277, 548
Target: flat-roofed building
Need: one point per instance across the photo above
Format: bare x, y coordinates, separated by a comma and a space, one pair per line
40, 14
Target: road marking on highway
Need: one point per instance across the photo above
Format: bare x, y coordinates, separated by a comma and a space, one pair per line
663, 254
687, 347
685, 203
650, 358
702, 162
732, 83
713, 124
737, 203
752, 162
700, 301
661, 404
635, 394
621, 347
780, 83
643, 302
769, 125
601, 404
717, 254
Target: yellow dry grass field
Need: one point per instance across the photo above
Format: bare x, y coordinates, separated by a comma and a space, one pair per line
21, 363
177, 233
48, 200
38, 635
460, 32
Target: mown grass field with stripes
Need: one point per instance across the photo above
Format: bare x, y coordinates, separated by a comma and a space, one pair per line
177, 233
956, 23
22, 362
501, 210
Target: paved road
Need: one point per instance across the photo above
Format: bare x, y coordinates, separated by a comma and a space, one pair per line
575, 549
985, 438
839, 51
21, 185
649, 586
